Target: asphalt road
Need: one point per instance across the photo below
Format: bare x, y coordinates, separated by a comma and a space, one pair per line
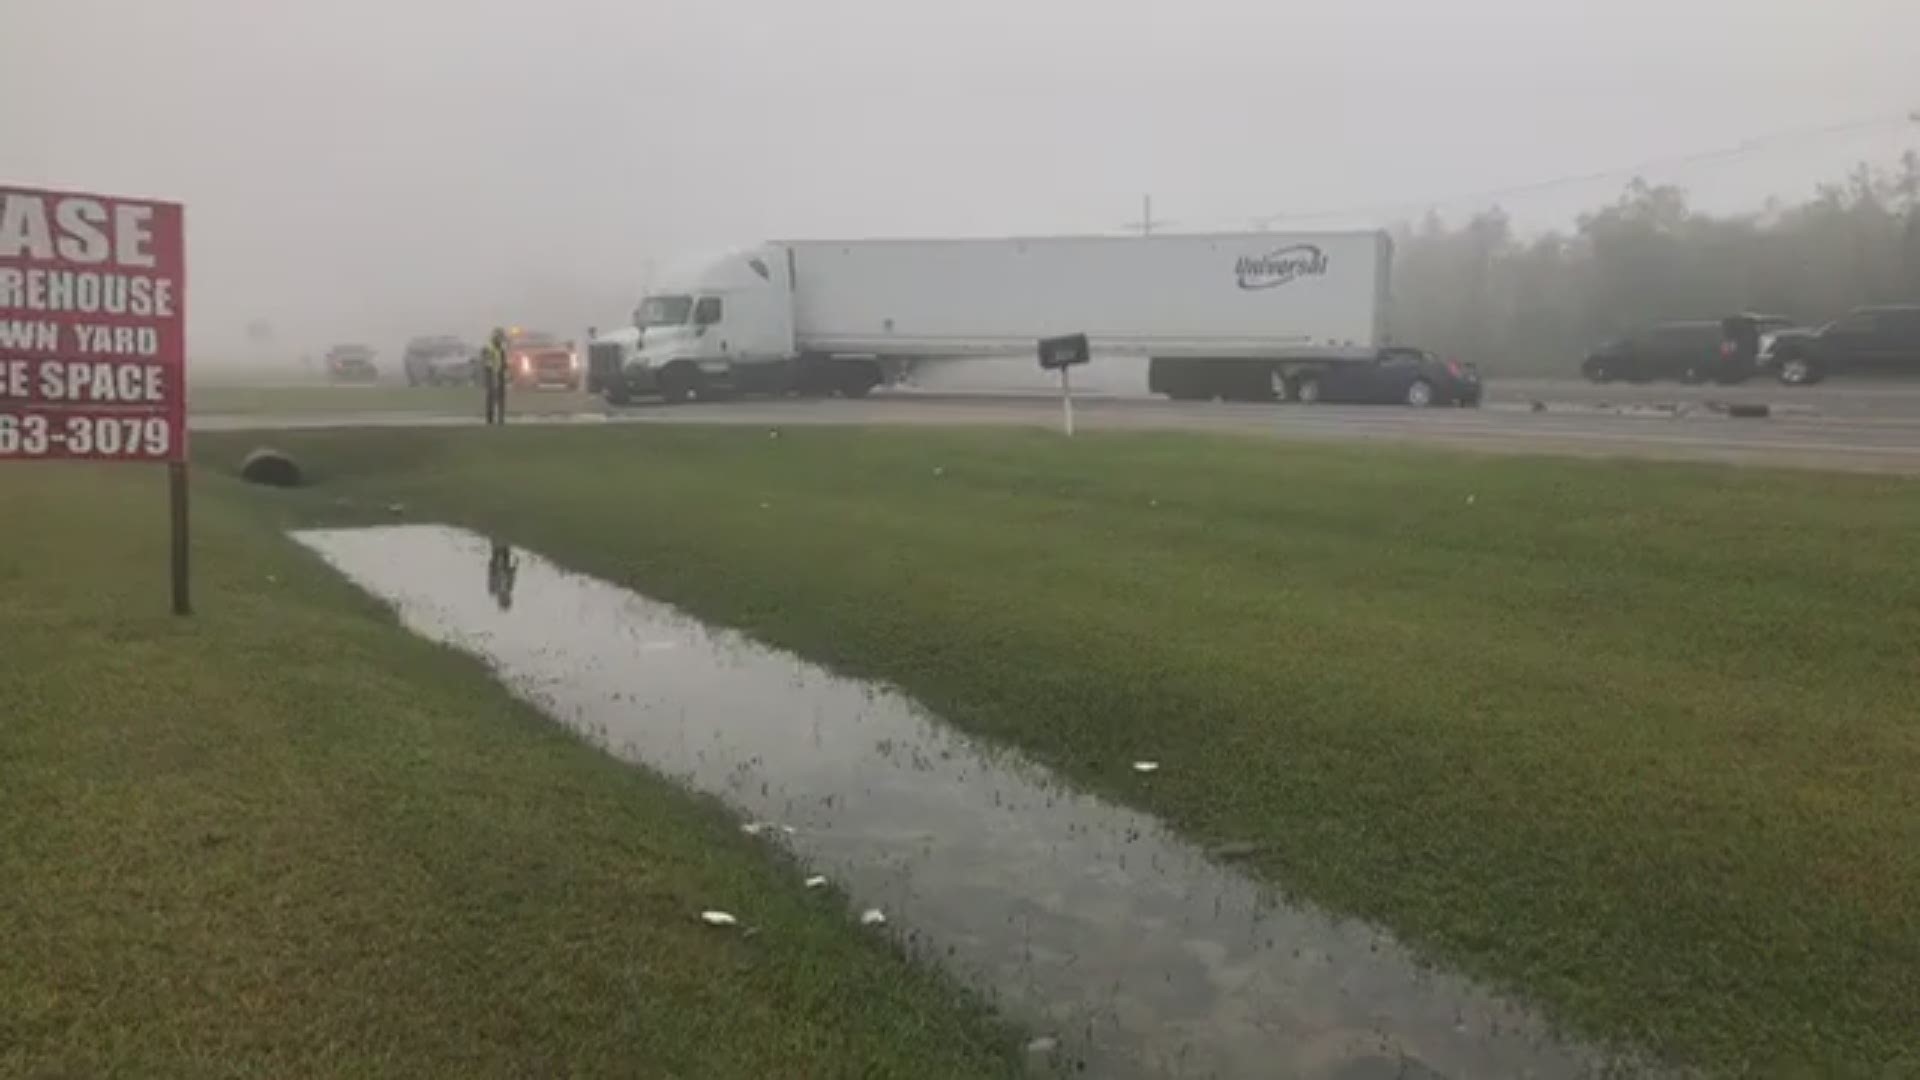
1842, 425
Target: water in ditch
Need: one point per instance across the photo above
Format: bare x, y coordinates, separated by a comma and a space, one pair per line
1082, 920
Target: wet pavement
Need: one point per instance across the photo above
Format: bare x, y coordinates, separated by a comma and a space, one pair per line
1081, 920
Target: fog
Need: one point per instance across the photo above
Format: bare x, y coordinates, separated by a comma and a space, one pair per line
372, 170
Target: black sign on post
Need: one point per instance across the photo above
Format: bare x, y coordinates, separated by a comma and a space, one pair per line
1061, 354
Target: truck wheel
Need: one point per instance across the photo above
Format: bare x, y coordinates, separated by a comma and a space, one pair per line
679, 383
1419, 393
1799, 371
1307, 390
617, 394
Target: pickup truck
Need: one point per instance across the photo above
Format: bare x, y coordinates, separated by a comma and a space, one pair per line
1882, 339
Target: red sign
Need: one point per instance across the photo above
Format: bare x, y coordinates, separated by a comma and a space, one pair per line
92, 327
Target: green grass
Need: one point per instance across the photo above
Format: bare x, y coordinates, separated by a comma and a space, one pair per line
286, 838
1639, 740
316, 399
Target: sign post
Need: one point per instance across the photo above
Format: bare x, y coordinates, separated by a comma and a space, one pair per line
1066, 400
93, 338
1061, 354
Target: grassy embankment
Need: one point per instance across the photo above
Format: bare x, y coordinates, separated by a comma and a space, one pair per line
285, 838
1639, 740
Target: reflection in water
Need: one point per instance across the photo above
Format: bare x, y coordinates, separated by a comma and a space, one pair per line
503, 567
1078, 917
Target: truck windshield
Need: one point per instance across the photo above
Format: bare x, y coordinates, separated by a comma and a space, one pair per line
663, 311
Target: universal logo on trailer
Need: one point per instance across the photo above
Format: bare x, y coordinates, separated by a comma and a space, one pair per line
1276, 268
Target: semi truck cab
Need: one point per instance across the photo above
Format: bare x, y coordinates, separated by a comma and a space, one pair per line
725, 326
722, 325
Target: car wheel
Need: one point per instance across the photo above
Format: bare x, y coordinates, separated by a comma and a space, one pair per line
1307, 391
1420, 393
1282, 388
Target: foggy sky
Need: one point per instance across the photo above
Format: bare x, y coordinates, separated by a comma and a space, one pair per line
373, 169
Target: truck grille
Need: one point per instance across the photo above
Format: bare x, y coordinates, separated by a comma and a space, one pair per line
604, 357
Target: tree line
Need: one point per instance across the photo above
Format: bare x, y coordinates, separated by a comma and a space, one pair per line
1479, 292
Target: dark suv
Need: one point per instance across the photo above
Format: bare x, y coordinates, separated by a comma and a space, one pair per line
1722, 350
1868, 340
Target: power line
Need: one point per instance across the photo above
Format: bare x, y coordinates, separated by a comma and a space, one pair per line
1741, 149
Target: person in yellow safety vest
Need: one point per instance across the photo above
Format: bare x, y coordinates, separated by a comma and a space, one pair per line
493, 374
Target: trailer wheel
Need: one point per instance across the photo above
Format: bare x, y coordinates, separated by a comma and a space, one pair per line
1307, 390
858, 378
1282, 386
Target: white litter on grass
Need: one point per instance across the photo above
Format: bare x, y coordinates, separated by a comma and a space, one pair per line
939, 470
1146, 766
718, 918
1045, 1044
766, 506
817, 881
873, 916
755, 828
1470, 499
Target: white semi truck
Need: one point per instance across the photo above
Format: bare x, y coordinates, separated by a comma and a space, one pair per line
1219, 315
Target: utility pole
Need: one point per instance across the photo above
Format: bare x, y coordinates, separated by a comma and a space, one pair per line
1147, 220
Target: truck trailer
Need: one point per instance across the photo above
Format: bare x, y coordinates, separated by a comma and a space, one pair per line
1218, 315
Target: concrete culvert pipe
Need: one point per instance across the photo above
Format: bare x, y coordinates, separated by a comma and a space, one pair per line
272, 468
